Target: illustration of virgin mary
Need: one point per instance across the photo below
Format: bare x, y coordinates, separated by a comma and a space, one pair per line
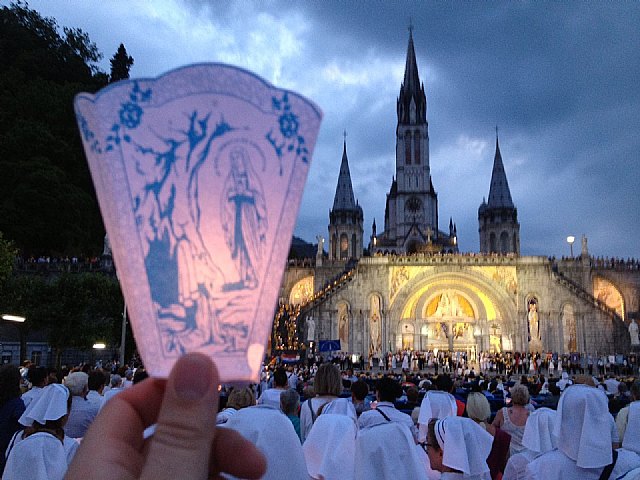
244, 219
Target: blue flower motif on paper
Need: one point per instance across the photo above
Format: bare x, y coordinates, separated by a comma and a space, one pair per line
288, 125
287, 139
88, 134
130, 115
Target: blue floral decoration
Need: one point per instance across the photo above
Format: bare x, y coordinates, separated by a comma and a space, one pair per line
130, 115
288, 125
287, 139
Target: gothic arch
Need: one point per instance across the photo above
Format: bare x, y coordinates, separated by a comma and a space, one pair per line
302, 291
608, 292
491, 306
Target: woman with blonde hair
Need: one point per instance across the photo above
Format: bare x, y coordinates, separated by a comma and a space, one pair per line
327, 386
513, 419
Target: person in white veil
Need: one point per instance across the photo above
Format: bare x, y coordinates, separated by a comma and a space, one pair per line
435, 404
537, 439
583, 432
330, 447
458, 448
42, 450
387, 451
272, 432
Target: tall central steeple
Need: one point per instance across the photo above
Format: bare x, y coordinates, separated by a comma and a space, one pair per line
411, 213
412, 101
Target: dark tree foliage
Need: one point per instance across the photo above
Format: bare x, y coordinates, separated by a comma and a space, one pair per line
48, 205
121, 63
74, 310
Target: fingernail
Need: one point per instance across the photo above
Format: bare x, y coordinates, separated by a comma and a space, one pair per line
193, 376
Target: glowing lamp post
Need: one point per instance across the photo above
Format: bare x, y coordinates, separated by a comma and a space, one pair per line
570, 240
17, 319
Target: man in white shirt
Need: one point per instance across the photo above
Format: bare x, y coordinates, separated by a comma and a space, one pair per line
38, 378
292, 378
96, 386
271, 396
82, 411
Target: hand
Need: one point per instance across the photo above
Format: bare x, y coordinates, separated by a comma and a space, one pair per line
186, 443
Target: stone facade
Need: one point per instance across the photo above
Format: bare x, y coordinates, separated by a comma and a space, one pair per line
467, 303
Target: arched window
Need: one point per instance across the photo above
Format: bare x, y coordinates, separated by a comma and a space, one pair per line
354, 254
344, 246
334, 246
407, 148
492, 243
504, 242
416, 147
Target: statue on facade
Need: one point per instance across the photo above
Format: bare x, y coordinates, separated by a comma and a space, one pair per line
585, 248
320, 251
633, 333
534, 324
375, 344
311, 329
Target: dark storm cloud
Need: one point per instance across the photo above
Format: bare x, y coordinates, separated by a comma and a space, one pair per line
558, 78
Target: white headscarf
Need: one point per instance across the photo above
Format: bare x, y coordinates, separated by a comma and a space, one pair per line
435, 404
50, 405
538, 431
330, 448
387, 451
631, 439
273, 433
564, 382
583, 426
466, 445
341, 406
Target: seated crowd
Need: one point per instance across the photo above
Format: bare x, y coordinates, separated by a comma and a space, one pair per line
337, 425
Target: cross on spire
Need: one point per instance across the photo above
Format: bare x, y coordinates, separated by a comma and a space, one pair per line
344, 134
410, 26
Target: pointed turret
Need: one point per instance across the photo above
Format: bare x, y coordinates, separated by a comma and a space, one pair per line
344, 198
499, 194
498, 217
346, 217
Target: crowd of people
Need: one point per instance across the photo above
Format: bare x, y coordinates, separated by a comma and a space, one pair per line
319, 421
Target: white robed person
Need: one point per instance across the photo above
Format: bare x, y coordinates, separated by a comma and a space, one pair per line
435, 404
42, 451
583, 431
458, 448
538, 438
330, 448
272, 432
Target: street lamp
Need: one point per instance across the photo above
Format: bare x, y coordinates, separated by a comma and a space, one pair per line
13, 318
99, 346
570, 240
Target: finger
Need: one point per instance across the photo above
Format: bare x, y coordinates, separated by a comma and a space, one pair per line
181, 445
110, 451
234, 454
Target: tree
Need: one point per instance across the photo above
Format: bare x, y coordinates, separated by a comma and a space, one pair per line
48, 204
7, 258
82, 309
121, 62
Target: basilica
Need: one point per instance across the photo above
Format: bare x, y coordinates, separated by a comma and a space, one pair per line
411, 288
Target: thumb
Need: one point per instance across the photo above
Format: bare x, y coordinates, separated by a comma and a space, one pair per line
181, 444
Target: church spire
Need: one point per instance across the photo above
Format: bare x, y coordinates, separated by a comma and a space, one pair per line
499, 194
344, 198
412, 101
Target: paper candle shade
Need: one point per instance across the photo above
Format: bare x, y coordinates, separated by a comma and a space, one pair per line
199, 175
